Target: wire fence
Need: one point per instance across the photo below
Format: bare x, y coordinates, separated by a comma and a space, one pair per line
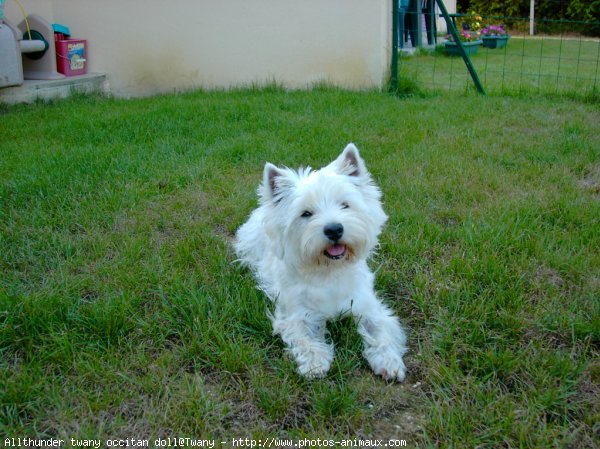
557, 60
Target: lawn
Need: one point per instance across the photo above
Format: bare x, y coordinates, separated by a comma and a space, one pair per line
545, 65
123, 313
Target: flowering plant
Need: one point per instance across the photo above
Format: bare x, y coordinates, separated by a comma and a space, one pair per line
465, 36
470, 21
493, 30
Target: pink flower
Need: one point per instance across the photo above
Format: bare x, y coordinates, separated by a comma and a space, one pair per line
492, 30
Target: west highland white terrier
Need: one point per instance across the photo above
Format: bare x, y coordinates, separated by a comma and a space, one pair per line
308, 243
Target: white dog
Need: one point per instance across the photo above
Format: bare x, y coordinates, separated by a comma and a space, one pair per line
308, 245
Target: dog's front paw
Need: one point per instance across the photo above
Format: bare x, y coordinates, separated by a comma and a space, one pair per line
387, 364
314, 363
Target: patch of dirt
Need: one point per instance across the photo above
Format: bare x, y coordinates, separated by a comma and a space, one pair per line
549, 339
130, 412
222, 231
446, 219
396, 412
547, 275
588, 393
542, 279
163, 217
241, 415
591, 180
295, 417
89, 296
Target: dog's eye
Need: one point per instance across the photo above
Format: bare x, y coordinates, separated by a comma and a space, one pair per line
345, 205
306, 214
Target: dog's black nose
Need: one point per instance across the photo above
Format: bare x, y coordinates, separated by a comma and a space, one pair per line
334, 231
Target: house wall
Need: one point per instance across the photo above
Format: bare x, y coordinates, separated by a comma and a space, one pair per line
152, 46
13, 13
441, 23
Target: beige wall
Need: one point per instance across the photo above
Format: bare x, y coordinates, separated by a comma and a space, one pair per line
441, 23
13, 13
150, 46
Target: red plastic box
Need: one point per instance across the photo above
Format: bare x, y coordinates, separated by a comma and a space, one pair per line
71, 56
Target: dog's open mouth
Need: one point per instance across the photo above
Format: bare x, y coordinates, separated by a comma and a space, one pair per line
336, 251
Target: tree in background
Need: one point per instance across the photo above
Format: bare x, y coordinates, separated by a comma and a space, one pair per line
547, 13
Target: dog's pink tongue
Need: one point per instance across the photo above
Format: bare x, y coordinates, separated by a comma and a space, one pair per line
336, 250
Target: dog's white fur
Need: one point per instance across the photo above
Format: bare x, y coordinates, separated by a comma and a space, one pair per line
313, 277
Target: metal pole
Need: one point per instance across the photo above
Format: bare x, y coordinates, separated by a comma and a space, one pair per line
419, 24
532, 17
461, 49
394, 68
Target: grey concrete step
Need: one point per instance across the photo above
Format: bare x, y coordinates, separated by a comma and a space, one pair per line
32, 90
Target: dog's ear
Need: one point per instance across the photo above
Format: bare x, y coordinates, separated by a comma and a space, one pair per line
275, 182
350, 163
270, 175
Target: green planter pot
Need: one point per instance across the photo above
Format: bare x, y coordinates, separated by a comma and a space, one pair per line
470, 47
495, 41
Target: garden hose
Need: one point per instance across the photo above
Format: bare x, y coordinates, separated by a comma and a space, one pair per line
24, 18
33, 35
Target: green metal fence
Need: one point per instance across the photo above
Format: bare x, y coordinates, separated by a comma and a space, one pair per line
560, 60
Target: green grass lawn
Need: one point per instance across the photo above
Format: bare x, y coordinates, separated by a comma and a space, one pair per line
123, 313
545, 65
